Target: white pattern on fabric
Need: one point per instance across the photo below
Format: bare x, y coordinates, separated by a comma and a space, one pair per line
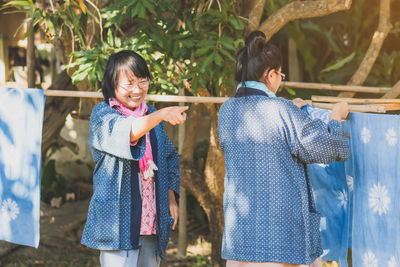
391, 137
9, 209
350, 182
365, 135
392, 262
378, 199
342, 196
370, 260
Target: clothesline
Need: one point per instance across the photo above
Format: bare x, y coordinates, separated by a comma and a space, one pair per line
357, 105
377, 106
318, 86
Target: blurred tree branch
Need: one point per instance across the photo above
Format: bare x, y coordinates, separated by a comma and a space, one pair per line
300, 10
256, 11
394, 93
375, 46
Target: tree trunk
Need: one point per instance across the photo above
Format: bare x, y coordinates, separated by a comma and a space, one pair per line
374, 48
56, 110
214, 175
207, 190
215, 217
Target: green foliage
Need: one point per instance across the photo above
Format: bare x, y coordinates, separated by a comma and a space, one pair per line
68, 16
332, 47
202, 261
180, 41
340, 63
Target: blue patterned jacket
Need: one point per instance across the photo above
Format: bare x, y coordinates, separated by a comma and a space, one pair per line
114, 215
269, 209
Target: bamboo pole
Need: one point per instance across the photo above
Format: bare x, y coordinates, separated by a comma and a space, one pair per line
157, 98
389, 107
354, 108
182, 222
317, 86
63, 93
337, 87
333, 99
372, 107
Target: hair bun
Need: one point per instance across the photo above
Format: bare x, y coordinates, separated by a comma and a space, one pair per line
255, 43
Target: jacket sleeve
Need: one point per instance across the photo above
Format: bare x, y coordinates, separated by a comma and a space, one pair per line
313, 141
109, 132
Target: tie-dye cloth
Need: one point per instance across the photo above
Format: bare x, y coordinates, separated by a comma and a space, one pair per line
376, 213
359, 200
21, 120
331, 194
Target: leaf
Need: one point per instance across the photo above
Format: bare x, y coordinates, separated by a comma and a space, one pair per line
117, 42
110, 38
77, 77
141, 10
202, 51
82, 6
218, 59
17, 4
237, 24
290, 90
340, 63
92, 77
149, 6
207, 62
188, 75
50, 26
227, 54
195, 85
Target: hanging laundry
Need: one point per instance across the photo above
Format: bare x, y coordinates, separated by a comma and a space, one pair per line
376, 215
331, 195
21, 120
367, 187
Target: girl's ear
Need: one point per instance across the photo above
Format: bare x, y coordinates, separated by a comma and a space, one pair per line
270, 73
267, 75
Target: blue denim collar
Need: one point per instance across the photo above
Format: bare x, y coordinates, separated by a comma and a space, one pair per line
256, 85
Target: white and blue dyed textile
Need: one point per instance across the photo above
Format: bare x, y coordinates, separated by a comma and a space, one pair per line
21, 120
359, 200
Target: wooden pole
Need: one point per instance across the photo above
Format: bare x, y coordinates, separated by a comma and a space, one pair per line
157, 98
337, 87
30, 59
182, 223
332, 99
377, 106
354, 108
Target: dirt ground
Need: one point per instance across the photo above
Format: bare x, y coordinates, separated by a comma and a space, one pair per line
60, 233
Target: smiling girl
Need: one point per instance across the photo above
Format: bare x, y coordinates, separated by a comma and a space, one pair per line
136, 177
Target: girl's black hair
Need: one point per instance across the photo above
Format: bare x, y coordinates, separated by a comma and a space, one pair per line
257, 56
125, 60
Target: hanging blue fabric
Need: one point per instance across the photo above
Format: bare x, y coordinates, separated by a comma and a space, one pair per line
376, 213
367, 186
21, 120
331, 194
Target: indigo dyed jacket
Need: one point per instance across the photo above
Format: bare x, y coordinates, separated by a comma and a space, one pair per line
269, 209
114, 215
